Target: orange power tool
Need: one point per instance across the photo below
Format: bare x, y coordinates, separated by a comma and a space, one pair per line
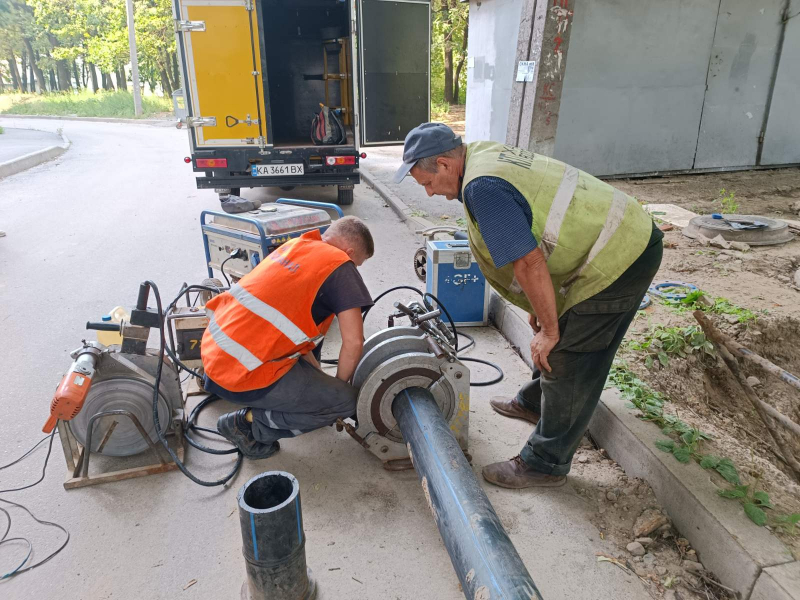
73, 389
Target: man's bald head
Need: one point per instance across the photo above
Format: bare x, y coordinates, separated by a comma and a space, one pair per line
351, 235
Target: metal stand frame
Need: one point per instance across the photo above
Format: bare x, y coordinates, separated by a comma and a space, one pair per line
77, 456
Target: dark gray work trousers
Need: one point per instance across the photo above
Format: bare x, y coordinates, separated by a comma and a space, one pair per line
302, 400
591, 332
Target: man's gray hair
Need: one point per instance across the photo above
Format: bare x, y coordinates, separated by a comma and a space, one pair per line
354, 230
428, 164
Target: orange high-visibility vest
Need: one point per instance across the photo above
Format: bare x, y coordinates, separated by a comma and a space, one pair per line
259, 329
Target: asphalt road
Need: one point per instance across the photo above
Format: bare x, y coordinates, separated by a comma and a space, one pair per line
121, 207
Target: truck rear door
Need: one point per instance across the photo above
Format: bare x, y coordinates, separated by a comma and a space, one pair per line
223, 73
394, 63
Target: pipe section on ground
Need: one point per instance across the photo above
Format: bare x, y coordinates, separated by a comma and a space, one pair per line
273, 540
486, 562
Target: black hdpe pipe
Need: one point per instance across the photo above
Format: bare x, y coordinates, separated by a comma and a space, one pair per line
485, 560
273, 541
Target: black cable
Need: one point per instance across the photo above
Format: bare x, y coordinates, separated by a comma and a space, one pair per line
4, 539
44, 468
44, 560
11, 464
222, 270
470, 338
497, 379
447, 314
192, 426
156, 421
375, 300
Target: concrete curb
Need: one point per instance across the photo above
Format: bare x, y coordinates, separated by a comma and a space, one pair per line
22, 163
161, 122
745, 557
400, 208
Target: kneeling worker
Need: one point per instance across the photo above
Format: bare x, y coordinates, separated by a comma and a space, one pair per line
258, 349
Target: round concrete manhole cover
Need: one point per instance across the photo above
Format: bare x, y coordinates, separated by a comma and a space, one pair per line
754, 230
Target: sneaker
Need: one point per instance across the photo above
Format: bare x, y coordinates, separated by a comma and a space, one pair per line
235, 428
515, 474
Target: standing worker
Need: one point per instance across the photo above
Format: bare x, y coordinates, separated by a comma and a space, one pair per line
258, 349
575, 253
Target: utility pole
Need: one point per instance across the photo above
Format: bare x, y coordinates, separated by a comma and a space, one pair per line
137, 92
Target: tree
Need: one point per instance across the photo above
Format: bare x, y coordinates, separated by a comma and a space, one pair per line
449, 48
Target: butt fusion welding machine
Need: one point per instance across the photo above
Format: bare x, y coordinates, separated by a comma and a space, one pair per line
107, 404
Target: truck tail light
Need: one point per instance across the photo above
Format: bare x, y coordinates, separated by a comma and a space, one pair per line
211, 163
340, 160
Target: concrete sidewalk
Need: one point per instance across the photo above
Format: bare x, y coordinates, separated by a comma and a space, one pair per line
19, 142
383, 161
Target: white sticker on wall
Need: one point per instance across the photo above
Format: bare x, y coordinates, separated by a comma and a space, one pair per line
525, 70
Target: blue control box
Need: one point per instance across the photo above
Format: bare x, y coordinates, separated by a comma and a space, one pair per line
453, 276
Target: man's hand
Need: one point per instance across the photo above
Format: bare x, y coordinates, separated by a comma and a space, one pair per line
541, 346
352, 329
534, 278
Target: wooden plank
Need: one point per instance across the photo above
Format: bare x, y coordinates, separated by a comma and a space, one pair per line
529, 100
672, 213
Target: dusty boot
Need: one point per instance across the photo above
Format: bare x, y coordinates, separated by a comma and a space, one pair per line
509, 407
515, 474
235, 428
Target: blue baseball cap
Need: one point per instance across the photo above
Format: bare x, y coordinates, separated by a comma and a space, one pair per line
429, 139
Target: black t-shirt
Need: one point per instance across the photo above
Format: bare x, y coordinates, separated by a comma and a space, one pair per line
342, 290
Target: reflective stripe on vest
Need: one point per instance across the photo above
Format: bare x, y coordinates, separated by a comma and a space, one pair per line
558, 210
271, 315
230, 346
615, 215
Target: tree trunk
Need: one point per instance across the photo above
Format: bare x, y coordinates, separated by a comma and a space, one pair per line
62, 69
53, 85
122, 82
173, 83
460, 66
165, 84
15, 79
84, 74
176, 73
24, 72
93, 73
108, 83
40, 82
448, 52
76, 74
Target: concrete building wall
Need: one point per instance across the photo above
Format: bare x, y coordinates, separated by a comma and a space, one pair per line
646, 85
493, 30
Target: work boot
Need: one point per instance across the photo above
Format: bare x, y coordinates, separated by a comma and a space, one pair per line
515, 474
235, 428
510, 407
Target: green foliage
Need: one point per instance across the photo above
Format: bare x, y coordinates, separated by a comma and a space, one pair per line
686, 444
727, 201
699, 300
662, 342
450, 24
69, 35
757, 516
85, 104
786, 523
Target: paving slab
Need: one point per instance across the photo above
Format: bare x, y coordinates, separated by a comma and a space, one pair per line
778, 583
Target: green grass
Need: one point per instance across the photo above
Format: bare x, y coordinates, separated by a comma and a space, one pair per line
439, 110
1, 130
719, 306
83, 104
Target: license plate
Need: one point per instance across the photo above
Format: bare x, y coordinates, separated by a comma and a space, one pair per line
275, 170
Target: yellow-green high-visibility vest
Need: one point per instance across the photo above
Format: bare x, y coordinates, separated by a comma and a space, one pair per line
589, 232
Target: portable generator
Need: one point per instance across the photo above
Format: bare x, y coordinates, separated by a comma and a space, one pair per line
235, 244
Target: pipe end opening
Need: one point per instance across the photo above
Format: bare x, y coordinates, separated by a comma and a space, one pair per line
268, 491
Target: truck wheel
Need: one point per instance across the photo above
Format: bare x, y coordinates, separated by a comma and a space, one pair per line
236, 191
345, 195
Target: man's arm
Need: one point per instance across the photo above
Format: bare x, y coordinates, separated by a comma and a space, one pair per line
352, 329
534, 278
